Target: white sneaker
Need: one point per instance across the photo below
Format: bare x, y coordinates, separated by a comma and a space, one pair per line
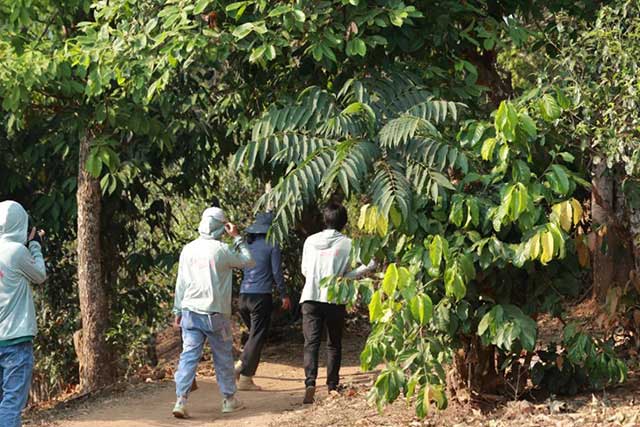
180, 410
231, 404
247, 384
237, 368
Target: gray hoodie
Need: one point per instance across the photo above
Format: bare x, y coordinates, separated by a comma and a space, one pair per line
327, 254
206, 268
19, 267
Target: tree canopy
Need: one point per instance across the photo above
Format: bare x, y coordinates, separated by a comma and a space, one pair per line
466, 133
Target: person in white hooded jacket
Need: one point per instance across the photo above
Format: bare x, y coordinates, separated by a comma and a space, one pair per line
325, 254
202, 306
21, 264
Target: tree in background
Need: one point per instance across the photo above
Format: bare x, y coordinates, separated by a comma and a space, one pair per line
592, 64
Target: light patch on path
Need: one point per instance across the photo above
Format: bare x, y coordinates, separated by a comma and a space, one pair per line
281, 376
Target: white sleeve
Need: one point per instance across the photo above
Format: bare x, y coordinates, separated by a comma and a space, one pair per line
180, 283
362, 270
305, 259
31, 263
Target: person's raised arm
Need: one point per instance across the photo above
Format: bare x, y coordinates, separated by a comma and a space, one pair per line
31, 262
240, 256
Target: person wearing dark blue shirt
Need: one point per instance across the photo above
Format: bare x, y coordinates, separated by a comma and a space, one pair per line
256, 302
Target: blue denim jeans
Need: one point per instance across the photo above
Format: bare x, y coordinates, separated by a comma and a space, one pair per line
16, 367
196, 329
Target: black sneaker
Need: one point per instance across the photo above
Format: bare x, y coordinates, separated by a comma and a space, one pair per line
309, 394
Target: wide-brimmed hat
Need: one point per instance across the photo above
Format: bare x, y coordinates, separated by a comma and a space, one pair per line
262, 223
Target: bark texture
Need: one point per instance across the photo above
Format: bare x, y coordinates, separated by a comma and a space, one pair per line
612, 248
474, 371
95, 356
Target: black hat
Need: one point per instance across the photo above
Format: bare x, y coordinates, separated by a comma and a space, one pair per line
262, 223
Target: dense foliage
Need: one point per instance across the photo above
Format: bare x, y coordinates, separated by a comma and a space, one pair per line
477, 213
476, 222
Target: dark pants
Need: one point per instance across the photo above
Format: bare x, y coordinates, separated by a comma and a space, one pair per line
315, 315
255, 310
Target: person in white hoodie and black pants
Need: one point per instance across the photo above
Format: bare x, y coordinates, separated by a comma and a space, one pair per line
325, 254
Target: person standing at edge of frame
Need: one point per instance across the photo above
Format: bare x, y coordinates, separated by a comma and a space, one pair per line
256, 302
21, 264
203, 306
325, 254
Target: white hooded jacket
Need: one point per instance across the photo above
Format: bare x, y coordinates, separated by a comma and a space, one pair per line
206, 268
327, 254
19, 267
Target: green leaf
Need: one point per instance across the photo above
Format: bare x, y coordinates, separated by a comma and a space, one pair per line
405, 278
546, 239
528, 332
436, 251
562, 179
390, 281
359, 47
235, 6
396, 217
280, 10
485, 323
506, 120
200, 6
299, 15
421, 308
563, 101
257, 53
375, 307
243, 30
442, 180
270, 52
453, 283
94, 164
528, 125
488, 146
549, 108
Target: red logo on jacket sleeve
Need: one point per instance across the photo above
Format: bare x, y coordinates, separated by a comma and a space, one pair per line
1, 274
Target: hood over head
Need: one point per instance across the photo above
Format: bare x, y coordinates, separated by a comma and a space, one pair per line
212, 223
14, 222
327, 239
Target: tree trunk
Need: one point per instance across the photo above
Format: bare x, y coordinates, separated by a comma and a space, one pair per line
474, 371
95, 358
612, 249
634, 227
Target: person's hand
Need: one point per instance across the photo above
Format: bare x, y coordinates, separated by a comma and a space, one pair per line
176, 321
36, 235
286, 303
231, 229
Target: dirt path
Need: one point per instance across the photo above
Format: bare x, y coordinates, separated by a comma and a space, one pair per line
280, 374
